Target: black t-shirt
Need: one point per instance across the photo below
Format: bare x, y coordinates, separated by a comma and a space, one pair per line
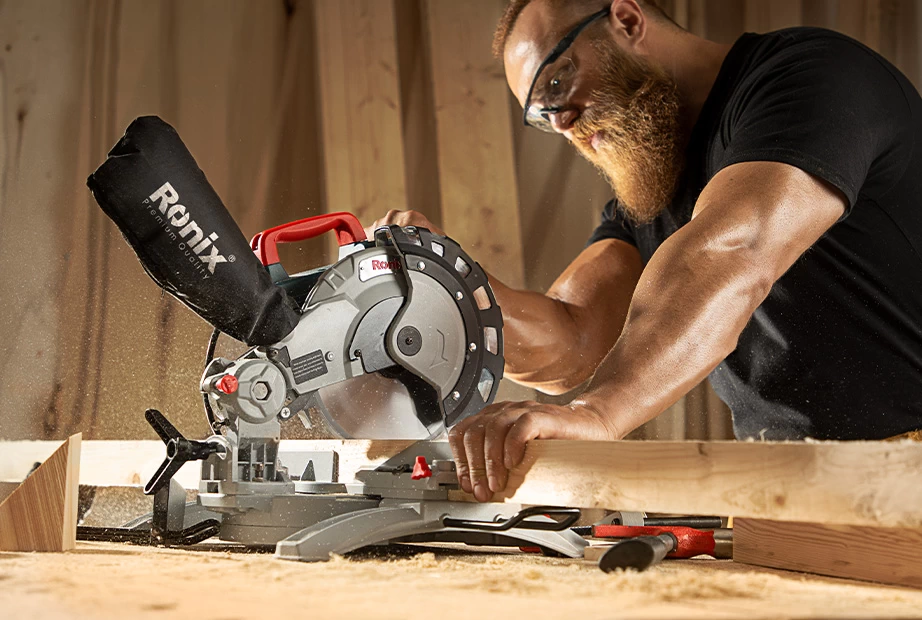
835, 351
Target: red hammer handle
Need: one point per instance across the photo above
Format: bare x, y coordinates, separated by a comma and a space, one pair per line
691, 542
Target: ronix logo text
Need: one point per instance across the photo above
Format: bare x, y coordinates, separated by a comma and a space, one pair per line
179, 226
390, 265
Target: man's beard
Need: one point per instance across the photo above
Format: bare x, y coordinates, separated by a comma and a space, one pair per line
636, 109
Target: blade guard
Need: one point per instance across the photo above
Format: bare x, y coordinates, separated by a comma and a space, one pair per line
184, 237
441, 402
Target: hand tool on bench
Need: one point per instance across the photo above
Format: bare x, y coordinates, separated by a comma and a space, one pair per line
640, 547
638, 553
401, 338
639, 518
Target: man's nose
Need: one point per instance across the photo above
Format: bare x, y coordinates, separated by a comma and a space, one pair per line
563, 121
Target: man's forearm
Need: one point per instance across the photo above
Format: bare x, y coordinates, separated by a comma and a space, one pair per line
700, 288
536, 330
555, 341
689, 308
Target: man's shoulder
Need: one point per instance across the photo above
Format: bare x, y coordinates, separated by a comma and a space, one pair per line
809, 64
796, 34
807, 46
806, 37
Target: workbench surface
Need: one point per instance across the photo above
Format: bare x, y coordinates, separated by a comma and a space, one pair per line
103, 580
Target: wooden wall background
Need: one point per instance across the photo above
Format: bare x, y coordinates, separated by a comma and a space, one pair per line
292, 107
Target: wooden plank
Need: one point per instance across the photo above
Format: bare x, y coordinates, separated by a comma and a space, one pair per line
724, 20
360, 106
767, 16
561, 201
476, 157
697, 17
676, 9
860, 19
420, 139
857, 483
7, 488
821, 13
40, 97
851, 483
706, 416
41, 514
284, 145
235, 80
103, 463
667, 426
872, 19
132, 463
899, 37
886, 555
231, 121
475, 151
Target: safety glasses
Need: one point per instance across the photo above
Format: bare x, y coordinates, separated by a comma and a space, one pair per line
560, 84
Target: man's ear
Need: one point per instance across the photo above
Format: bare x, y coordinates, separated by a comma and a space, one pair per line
629, 24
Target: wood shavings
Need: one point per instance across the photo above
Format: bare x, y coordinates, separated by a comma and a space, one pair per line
117, 581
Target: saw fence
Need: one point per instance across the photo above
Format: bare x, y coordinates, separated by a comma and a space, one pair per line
849, 510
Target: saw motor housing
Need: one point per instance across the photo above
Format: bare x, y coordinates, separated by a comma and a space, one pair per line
400, 339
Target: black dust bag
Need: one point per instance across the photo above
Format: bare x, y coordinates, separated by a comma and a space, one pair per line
151, 187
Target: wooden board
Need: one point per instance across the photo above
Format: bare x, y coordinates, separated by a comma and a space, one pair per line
859, 483
475, 152
41, 514
723, 20
767, 16
89, 341
132, 463
420, 138
887, 555
360, 107
476, 156
6, 489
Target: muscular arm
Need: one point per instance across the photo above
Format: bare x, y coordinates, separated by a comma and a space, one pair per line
555, 341
752, 221
695, 296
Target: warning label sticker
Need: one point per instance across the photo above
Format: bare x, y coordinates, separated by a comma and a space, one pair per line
308, 366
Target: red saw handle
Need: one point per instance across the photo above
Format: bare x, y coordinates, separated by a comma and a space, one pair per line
691, 542
347, 227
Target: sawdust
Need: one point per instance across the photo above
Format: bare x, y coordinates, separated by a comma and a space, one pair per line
702, 585
117, 581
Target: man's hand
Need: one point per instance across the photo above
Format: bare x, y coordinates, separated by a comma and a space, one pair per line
403, 218
487, 445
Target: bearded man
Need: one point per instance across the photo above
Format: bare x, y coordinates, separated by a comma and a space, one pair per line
767, 233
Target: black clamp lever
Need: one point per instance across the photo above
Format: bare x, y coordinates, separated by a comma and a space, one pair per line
567, 517
179, 451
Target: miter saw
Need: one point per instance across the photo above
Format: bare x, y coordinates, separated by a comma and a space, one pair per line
401, 338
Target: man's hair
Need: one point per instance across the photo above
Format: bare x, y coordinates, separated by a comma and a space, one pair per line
515, 8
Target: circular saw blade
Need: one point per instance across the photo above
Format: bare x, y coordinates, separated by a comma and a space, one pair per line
452, 310
373, 406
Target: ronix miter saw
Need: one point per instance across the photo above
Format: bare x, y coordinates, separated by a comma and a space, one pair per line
401, 338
